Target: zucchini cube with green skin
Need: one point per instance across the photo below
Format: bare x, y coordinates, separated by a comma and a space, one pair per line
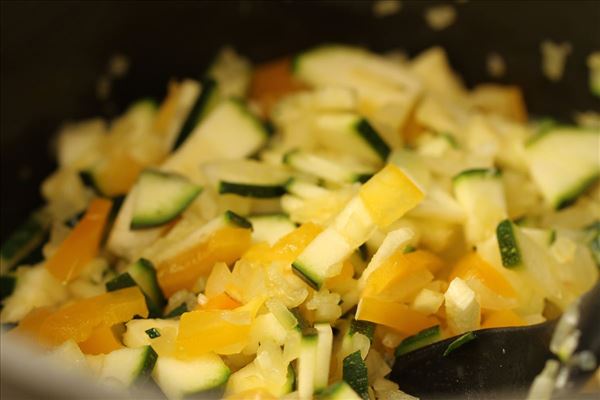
338, 391
229, 131
350, 133
326, 168
481, 194
129, 366
248, 178
564, 162
143, 274
270, 227
524, 255
323, 355
181, 378
357, 222
421, 339
205, 102
160, 198
355, 374
307, 364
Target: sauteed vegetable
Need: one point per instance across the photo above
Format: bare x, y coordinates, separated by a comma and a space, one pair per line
288, 229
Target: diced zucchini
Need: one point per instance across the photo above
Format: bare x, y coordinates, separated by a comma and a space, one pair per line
230, 131
481, 194
129, 366
327, 168
352, 134
382, 200
460, 341
24, 240
270, 228
181, 378
350, 229
228, 76
564, 162
524, 255
124, 241
327, 249
161, 197
177, 311
355, 374
366, 328
323, 356
421, 339
338, 391
248, 178
143, 274
152, 333
136, 335
205, 102
307, 364
305, 190
381, 85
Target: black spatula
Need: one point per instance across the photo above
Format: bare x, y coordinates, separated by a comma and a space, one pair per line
498, 363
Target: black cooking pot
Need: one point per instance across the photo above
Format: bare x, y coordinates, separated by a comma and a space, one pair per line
54, 52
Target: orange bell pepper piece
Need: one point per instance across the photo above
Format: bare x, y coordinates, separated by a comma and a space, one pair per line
220, 302
78, 320
272, 81
502, 318
397, 316
101, 341
31, 323
402, 275
81, 246
182, 271
219, 331
472, 265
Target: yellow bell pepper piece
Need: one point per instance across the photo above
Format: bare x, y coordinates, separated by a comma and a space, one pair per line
220, 302
182, 271
31, 323
219, 331
397, 316
402, 275
78, 320
473, 266
389, 194
81, 246
101, 341
287, 248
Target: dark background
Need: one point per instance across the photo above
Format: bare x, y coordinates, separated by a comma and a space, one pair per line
52, 54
